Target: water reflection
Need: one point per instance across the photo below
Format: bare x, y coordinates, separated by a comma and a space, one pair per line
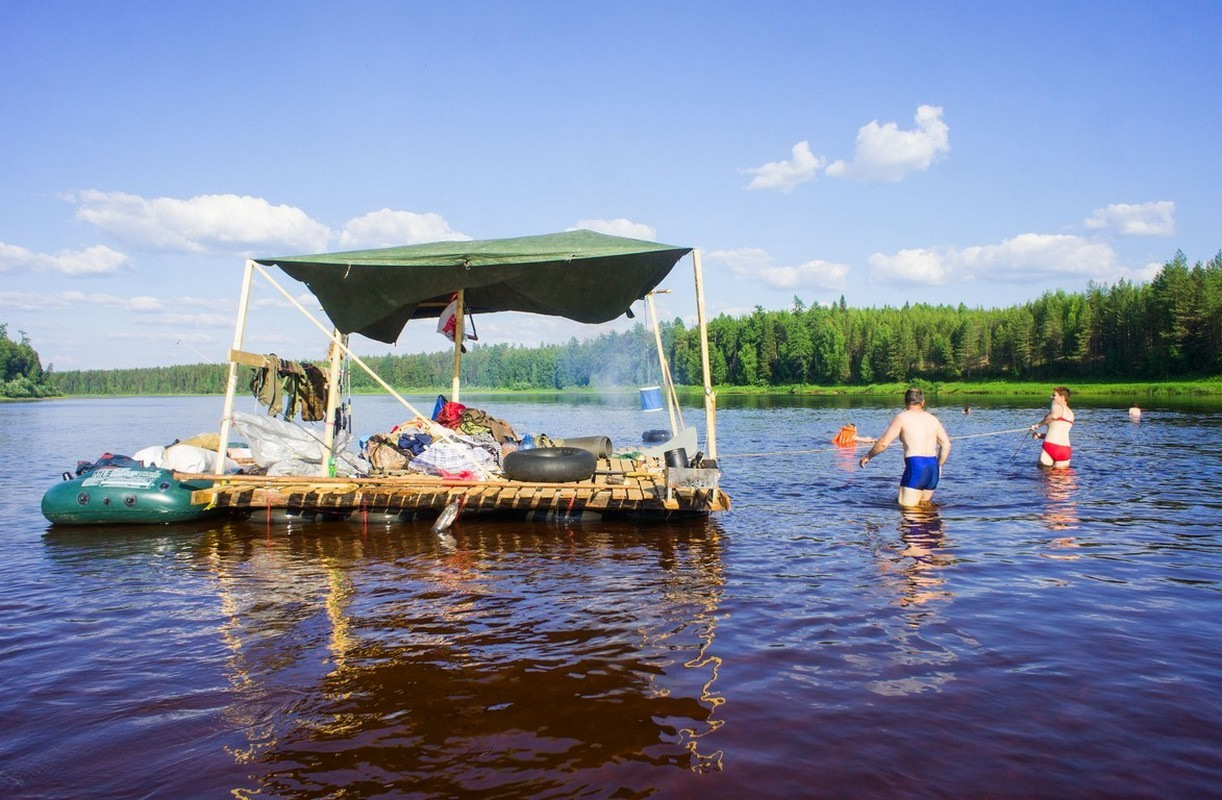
520, 659
914, 567
922, 533
348, 663
845, 459
1060, 490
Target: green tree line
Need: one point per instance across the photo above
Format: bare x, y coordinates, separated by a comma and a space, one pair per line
180, 379
1170, 327
21, 372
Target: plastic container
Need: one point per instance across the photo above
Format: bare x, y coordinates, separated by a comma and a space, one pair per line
600, 446
651, 398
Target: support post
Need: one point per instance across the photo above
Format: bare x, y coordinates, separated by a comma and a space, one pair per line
666, 384
674, 396
335, 356
231, 385
710, 398
458, 334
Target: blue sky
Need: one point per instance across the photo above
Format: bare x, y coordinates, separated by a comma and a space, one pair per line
942, 152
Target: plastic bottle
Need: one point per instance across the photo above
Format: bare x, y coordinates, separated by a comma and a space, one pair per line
528, 443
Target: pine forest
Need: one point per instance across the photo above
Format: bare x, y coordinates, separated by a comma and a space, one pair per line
1169, 328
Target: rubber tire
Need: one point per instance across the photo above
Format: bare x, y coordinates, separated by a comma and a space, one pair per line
655, 435
550, 465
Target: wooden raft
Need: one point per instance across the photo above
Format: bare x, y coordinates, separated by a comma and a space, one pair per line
619, 486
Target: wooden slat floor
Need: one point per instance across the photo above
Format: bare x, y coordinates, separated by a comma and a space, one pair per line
619, 486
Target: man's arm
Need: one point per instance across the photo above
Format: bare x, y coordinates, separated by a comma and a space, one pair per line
943, 445
886, 439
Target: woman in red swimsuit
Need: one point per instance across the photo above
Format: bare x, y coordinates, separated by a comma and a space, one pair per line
1056, 450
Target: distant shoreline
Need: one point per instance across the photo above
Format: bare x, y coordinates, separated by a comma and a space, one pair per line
1134, 390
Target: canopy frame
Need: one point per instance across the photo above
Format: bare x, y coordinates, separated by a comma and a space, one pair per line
650, 262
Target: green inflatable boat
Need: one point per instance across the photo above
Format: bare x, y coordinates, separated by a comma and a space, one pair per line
131, 495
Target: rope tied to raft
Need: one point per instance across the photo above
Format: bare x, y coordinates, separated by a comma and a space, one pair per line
843, 448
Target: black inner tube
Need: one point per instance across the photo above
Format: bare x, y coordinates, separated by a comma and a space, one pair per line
550, 465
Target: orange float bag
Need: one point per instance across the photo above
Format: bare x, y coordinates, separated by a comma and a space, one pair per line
846, 437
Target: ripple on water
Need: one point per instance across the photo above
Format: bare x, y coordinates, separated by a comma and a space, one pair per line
1036, 635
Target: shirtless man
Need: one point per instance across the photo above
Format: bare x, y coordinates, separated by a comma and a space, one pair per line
1059, 419
926, 448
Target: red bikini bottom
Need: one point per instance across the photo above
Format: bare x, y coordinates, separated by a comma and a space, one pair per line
1057, 452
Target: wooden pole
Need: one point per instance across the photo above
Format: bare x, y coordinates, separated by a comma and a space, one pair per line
674, 396
710, 398
458, 334
336, 356
657, 337
231, 385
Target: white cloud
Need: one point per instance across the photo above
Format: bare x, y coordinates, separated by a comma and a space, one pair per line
232, 224
912, 267
1143, 219
217, 223
810, 275
141, 304
141, 307
96, 260
744, 262
277, 300
783, 176
1038, 255
1143, 274
886, 153
225, 304
618, 227
388, 228
269, 342
757, 264
144, 304
177, 321
29, 301
1026, 257
33, 301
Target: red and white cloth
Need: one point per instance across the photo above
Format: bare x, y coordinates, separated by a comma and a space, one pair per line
448, 321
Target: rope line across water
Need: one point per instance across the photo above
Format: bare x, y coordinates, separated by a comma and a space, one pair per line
841, 449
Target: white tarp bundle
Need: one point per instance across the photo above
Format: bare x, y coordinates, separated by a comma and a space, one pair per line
183, 458
274, 441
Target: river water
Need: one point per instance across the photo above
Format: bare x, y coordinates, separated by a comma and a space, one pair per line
1039, 635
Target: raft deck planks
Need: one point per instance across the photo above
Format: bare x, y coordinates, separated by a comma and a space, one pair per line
619, 486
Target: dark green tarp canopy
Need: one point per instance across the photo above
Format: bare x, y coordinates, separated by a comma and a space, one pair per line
582, 275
